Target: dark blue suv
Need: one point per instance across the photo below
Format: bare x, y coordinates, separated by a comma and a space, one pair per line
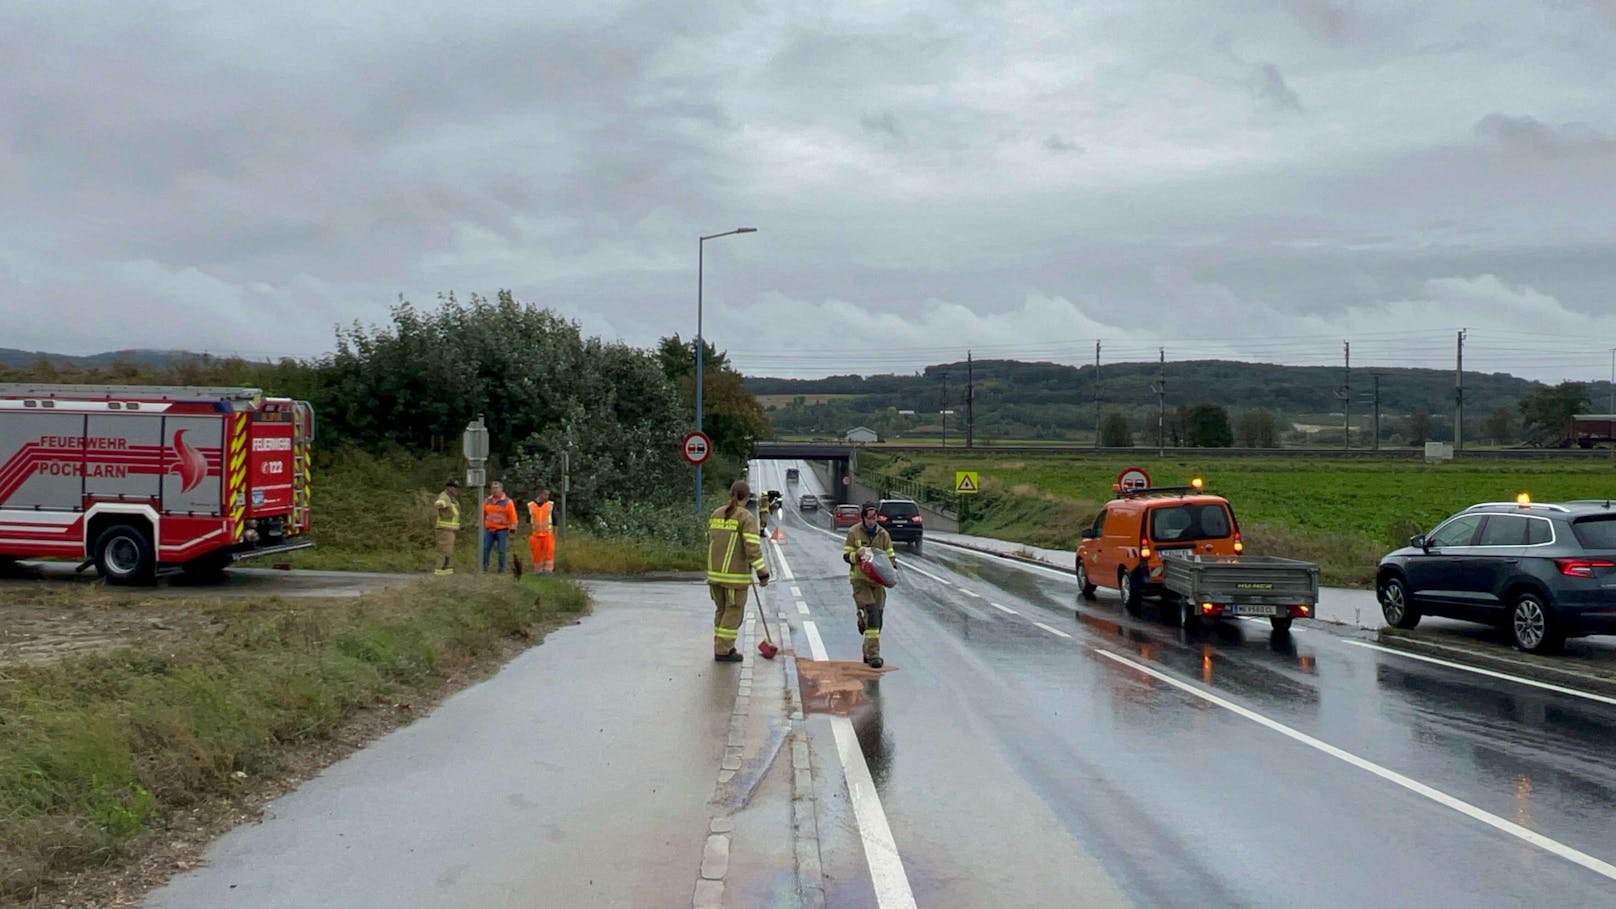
1541, 571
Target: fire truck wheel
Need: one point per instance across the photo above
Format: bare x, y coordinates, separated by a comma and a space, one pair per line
123, 555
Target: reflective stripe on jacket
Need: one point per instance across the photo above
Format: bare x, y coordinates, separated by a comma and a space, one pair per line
499, 514
734, 548
540, 516
880, 541
445, 504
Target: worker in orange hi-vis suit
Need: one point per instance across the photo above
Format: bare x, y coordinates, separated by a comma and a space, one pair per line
541, 542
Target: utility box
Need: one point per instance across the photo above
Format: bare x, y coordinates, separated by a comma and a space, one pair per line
1438, 451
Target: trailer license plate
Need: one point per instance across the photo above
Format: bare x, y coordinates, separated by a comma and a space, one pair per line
1254, 609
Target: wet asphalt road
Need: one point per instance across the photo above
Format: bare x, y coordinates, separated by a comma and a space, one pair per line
1020, 765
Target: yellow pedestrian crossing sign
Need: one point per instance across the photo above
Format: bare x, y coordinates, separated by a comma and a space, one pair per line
965, 482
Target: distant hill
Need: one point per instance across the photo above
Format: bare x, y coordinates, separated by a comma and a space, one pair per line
1022, 400
15, 358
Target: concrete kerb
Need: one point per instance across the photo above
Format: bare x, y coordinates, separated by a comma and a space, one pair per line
805, 821
710, 881
1011, 556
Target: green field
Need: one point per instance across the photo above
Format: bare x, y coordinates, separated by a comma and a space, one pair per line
1341, 513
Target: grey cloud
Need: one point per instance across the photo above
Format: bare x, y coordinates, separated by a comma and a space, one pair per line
1528, 134
1270, 87
884, 124
1264, 81
221, 166
1334, 20
1061, 145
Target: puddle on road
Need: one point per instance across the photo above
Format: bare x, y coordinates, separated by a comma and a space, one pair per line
835, 686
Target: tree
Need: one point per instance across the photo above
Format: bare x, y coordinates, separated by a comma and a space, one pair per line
1115, 432
1546, 412
621, 426
731, 415
1258, 429
1418, 427
1499, 427
1207, 426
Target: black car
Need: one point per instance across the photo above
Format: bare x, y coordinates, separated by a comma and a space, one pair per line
901, 518
1541, 571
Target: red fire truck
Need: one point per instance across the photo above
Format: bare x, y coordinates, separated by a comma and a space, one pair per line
143, 480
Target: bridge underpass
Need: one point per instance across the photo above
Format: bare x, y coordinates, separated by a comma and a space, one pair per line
842, 461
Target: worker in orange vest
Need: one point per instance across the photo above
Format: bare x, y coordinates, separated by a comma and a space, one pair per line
499, 519
541, 541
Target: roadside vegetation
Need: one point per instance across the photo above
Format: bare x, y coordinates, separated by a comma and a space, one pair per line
374, 513
100, 749
1341, 513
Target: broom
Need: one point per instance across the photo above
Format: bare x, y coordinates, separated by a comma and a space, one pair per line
765, 646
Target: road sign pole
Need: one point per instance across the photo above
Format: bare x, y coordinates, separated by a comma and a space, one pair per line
475, 446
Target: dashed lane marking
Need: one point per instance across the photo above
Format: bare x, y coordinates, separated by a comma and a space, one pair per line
1052, 629
935, 577
796, 591
802, 607
1003, 608
1556, 847
970, 593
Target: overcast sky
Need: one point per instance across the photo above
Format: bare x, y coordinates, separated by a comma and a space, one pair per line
1259, 180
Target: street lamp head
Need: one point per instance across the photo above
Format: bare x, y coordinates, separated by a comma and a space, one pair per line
746, 230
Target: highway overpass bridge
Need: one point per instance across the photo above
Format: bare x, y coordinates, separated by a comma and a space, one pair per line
843, 459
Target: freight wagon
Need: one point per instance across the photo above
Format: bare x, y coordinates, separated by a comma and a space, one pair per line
145, 480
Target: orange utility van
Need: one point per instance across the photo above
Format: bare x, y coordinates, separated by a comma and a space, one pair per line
1123, 547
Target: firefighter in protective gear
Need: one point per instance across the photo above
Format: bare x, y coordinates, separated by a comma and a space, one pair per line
541, 542
448, 522
865, 540
734, 551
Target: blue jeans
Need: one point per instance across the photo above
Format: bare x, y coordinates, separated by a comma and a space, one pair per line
491, 538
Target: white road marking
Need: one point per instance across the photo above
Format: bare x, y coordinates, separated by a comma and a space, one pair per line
970, 593
796, 591
880, 850
802, 607
1052, 629
938, 578
780, 557
1487, 672
1003, 608
1556, 847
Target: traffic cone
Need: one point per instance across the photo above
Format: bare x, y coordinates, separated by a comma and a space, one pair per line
778, 537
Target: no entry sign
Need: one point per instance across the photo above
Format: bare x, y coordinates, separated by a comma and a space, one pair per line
696, 447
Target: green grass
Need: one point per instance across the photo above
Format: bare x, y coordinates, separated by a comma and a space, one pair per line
98, 749
1342, 513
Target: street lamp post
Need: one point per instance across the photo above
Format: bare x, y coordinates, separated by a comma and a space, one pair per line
701, 250
1609, 421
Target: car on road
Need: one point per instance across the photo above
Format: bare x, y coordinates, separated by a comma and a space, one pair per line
901, 518
791, 474
844, 516
809, 502
1123, 547
1541, 571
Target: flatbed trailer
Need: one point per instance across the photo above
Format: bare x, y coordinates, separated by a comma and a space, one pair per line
1210, 587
